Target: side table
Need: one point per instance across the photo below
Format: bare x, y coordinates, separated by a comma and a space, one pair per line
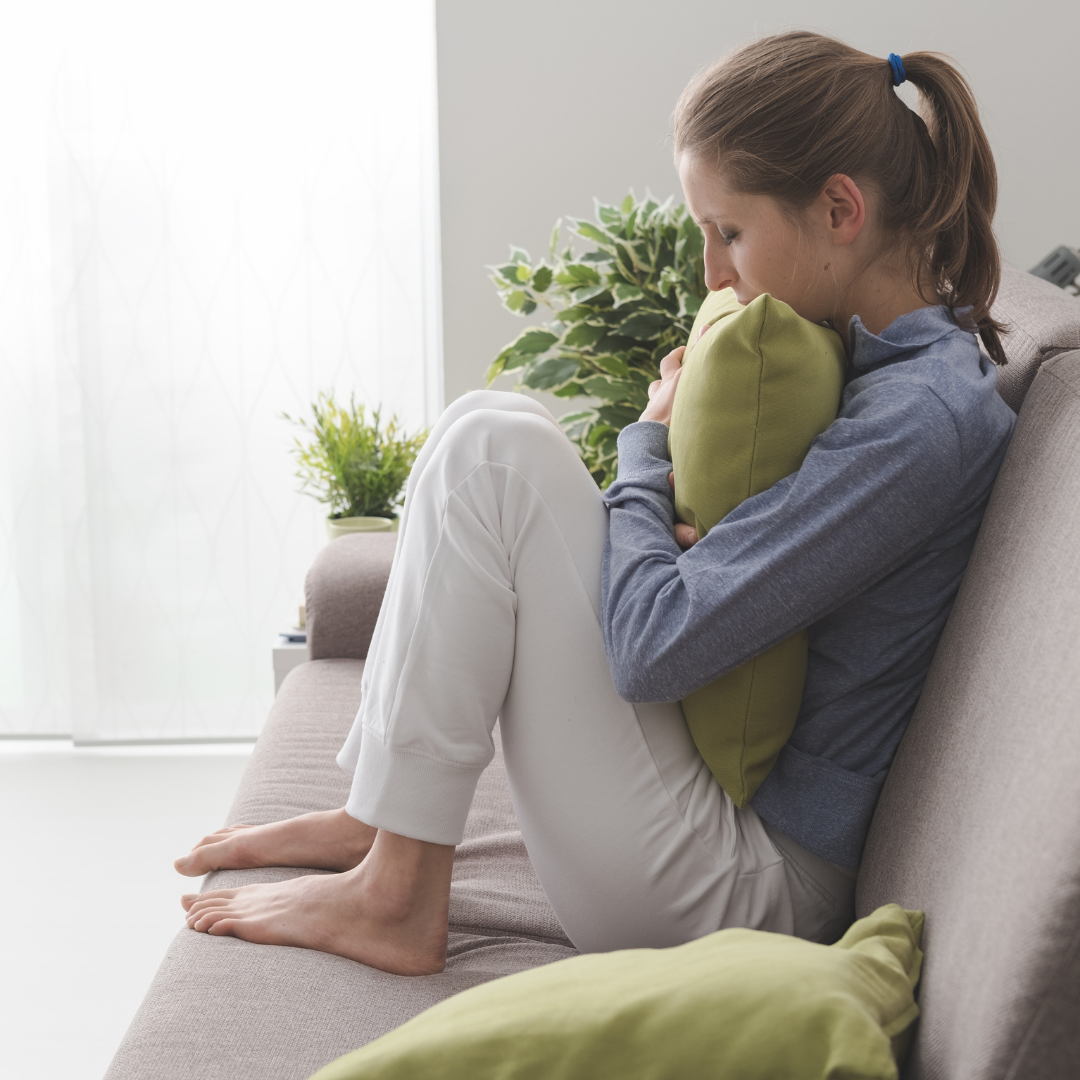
287, 655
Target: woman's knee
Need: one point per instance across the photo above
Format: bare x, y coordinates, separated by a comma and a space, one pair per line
473, 402
510, 437
536, 449
499, 400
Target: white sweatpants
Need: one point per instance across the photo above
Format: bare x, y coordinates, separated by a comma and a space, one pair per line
493, 611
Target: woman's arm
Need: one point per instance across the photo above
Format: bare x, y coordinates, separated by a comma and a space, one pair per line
874, 488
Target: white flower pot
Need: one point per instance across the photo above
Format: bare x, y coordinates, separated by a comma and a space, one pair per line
343, 526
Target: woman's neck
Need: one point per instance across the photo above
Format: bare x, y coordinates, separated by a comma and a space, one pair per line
879, 296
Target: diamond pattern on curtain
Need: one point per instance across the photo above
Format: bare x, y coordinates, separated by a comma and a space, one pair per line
210, 220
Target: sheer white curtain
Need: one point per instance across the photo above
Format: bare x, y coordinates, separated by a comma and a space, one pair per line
208, 212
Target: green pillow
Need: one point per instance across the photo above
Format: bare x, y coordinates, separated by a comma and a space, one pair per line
755, 390
739, 1003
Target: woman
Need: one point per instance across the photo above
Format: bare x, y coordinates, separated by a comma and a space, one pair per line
520, 592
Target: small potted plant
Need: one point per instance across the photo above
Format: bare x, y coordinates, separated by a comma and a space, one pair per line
358, 468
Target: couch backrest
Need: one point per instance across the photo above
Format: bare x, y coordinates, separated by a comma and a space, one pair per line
979, 821
1043, 322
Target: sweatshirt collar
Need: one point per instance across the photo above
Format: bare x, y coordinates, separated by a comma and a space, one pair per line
906, 334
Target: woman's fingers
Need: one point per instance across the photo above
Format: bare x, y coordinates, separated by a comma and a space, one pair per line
660, 399
672, 363
685, 536
662, 391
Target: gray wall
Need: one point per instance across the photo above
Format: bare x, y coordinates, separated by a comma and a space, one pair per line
543, 106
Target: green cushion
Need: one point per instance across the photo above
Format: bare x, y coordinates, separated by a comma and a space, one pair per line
755, 390
739, 1003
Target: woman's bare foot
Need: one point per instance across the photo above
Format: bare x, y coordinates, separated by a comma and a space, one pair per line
327, 840
391, 912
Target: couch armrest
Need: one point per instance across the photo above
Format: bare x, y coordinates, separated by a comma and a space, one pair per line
343, 592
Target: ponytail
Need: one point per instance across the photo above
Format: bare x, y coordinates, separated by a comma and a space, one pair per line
963, 261
787, 112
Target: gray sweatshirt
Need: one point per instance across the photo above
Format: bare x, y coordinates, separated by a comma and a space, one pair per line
865, 547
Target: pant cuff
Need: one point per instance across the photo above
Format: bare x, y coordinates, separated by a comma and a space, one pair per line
411, 794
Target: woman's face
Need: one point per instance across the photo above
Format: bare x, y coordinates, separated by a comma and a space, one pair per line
753, 247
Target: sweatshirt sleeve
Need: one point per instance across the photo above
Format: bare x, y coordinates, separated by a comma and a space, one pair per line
874, 487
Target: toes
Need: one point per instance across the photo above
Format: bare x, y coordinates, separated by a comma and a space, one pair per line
201, 906
186, 865
220, 834
192, 900
203, 920
224, 850
206, 919
222, 928
201, 915
196, 904
201, 860
219, 894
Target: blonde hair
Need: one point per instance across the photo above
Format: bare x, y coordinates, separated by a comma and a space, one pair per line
783, 114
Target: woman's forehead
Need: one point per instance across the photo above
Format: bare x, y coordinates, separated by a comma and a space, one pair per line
710, 199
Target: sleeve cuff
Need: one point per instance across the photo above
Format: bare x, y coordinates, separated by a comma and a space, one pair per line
644, 466
641, 446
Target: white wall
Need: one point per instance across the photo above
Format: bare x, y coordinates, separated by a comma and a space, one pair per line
545, 105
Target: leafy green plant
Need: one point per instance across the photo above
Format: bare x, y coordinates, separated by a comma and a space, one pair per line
618, 309
356, 467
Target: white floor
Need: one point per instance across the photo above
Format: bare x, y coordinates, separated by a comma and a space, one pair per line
89, 900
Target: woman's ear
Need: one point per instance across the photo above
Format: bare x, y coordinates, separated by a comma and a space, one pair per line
843, 209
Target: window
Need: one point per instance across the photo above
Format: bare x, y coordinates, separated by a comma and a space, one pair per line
214, 211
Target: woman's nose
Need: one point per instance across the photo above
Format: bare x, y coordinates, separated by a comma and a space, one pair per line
716, 279
719, 273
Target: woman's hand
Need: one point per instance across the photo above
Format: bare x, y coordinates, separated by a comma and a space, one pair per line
661, 396
662, 391
685, 535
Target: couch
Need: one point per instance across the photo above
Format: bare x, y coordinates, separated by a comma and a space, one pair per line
978, 824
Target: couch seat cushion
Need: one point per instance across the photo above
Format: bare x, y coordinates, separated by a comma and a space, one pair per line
224, 1008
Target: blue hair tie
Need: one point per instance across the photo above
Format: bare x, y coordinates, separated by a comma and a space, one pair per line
899, 75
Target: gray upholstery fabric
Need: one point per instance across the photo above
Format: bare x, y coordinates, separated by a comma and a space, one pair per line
343, 591
1043, 320
979, 821
222, 1009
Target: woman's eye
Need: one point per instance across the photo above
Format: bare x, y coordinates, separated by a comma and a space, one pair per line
728, 237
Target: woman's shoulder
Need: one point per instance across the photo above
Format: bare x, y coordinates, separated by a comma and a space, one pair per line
934, 379
924, 351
